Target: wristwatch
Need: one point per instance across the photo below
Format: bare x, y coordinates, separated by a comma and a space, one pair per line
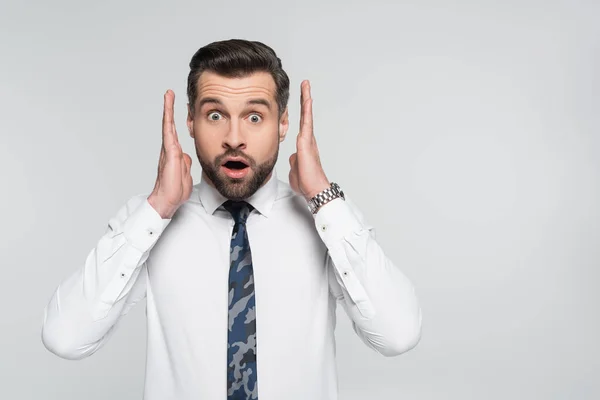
331, 193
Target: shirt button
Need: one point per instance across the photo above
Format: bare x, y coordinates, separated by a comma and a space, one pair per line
150, 232
323, 228
345, 273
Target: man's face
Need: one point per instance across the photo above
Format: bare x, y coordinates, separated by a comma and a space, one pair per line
237, 131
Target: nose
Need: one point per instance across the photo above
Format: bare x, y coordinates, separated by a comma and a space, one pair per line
234, 138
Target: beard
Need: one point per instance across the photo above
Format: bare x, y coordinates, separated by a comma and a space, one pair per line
238, 189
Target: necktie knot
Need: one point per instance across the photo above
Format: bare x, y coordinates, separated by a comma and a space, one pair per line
239, 210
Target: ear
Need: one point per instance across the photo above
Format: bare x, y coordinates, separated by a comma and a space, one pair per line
190, 121
284, 124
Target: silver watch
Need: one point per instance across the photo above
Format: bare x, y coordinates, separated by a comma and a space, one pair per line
331, 193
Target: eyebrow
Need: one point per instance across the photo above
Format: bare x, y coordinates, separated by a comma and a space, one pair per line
263, 102
214, 100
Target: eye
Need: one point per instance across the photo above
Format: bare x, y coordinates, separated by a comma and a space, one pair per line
214, 116
255, 118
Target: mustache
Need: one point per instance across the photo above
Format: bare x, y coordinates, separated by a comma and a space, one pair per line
235, 153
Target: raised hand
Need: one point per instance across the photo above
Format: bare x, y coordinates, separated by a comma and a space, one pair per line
173, 185
306, 173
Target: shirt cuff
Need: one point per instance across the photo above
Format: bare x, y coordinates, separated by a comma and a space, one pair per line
336, 221
144, 226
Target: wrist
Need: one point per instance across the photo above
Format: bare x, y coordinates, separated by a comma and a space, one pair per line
318, 189
332, 192
163, 209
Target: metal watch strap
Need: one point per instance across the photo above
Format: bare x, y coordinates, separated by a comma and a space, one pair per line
331, 193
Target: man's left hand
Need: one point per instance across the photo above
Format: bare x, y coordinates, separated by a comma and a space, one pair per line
306, 173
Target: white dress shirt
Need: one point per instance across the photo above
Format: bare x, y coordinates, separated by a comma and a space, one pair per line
303, 266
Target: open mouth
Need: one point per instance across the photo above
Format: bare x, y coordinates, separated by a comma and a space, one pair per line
235, 165
236, 168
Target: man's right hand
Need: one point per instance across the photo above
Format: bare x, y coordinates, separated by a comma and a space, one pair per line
173, 185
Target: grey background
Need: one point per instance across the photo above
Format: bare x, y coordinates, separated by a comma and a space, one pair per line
468, 133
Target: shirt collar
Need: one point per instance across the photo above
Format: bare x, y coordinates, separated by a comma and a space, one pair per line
262, 200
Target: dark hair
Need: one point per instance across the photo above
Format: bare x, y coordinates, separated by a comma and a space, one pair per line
236, 58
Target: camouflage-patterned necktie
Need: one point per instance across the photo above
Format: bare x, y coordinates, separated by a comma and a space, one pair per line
241, 345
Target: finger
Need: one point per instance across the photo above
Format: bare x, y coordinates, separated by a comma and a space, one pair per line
174, 129
292, 160
183, 166
188, 163
306, 128
293, 178
302, 104
161, 159
167, 121
168, 130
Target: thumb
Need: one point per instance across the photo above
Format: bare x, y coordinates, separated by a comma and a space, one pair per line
188, 161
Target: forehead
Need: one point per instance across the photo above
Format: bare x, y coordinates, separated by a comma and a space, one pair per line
256, 85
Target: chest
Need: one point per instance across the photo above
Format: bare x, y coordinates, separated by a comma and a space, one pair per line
188, 269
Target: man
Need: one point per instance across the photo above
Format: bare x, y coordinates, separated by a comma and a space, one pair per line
242, 272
